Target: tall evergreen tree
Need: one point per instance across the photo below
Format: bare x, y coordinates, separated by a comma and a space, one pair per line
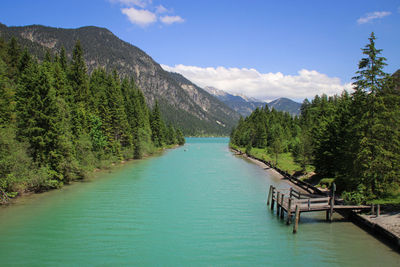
78, 79
63, 59
157, 126
7, 101
368, 107
13, 55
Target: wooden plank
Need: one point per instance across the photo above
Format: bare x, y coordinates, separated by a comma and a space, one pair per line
313, 200
350, 207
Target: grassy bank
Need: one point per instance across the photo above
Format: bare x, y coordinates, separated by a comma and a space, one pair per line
285, 160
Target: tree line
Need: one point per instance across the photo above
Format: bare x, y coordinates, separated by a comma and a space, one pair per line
57, 122
353, 138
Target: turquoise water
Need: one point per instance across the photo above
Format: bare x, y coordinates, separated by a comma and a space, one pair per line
197, 205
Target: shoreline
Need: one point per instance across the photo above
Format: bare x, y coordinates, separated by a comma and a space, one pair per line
268, 169
91, 175
385, 228
304, 187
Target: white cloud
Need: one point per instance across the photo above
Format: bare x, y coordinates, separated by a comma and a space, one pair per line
140, 17
138, 3
373, 15
161, 9
171, 19
144, 13
264, 86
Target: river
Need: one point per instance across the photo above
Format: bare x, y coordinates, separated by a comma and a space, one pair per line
197, 205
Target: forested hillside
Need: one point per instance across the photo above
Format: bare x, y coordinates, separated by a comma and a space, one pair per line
103, 49
57, 123
352, 138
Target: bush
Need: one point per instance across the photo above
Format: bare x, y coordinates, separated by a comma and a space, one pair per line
355, 197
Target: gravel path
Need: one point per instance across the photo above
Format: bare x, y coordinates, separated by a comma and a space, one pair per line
389, 221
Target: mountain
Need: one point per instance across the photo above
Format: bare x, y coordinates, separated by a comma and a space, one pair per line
285, 104
245, 105
182, 103
242, 104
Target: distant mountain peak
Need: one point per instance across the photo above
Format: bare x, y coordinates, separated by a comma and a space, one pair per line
245, 105
214, 91
218, 92
242, 104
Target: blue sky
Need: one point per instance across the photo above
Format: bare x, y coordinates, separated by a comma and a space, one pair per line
264, 49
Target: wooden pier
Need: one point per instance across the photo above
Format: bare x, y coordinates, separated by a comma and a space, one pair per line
294, 203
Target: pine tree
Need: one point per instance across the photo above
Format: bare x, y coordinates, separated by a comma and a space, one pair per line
180, 137
63, 59
303, 150
371, 115
78, 79
7, 101
77, 75
13, 55
24, 61
39, 118
157, 126
118, 123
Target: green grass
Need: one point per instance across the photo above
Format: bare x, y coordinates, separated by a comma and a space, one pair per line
325, 182
392, 200
285, 160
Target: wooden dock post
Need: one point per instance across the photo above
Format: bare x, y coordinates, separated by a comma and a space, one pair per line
289, 211
332, 201
282, 209
290, 194
296, 219
272, 199
278, 206
293, 204
269, 194
378, 210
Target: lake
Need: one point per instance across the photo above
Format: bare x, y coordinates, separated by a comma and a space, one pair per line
197, 205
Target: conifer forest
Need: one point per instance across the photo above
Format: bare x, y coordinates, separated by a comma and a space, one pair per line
352, 138
58, 123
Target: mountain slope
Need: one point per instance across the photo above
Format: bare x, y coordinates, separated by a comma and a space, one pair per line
285, 104
188, 110
243, 105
